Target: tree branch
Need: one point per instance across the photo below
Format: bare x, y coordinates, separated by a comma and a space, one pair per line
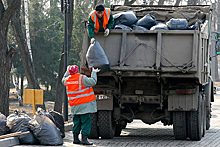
127, 2
2, 9
9, 12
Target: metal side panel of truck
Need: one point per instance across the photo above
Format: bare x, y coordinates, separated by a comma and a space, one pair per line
160, 75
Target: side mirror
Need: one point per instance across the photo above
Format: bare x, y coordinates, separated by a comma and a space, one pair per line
217, 48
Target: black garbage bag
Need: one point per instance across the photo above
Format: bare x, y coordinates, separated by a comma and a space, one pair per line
123, 27
159, 26
19, 122
147, 21
3, 126
45, 130
97, 58
58, 120
177, 24
135, 27
125, 18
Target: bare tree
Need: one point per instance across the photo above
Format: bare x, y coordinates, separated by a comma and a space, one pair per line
6, 56
25, 55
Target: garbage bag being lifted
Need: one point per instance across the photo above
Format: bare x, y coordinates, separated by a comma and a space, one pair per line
3, 127
177, 24
97, 58
125, 18
45, 130
19, 122
147, 21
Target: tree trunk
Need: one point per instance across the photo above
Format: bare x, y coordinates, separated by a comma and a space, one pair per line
6, 56
15, 80
161, 2
22, 87
25, 55
60, 89
177, 2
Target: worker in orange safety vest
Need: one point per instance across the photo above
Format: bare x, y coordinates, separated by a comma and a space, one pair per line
82, 101
100, 20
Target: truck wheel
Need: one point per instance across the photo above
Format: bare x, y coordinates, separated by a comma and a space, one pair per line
106, 129
195, 122
124, 126
204, 115
208, 116
179, 125
118, 129
94, 128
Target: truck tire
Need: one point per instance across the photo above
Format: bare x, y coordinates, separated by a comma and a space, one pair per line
179, 125
106, 129
124, 126
195, 121
94, 134
208, 96
208, 116
204, 115
118, 129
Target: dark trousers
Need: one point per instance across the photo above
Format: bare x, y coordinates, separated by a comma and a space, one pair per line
82, 122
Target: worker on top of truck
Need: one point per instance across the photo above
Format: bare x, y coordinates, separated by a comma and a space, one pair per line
82, 101
100, 20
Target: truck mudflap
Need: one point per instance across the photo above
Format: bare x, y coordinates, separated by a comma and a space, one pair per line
183, 102
104, 102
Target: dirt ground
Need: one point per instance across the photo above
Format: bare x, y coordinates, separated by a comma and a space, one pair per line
217, 84
14, 105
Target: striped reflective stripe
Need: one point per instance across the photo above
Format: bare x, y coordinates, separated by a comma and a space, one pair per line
94, 19
80, 86
106, 10
74, 92
79, 96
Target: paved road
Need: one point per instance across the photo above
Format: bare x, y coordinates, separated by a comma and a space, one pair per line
139, 134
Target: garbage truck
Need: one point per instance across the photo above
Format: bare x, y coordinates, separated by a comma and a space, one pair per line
155, 75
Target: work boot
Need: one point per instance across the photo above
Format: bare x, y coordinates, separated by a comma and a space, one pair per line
85, 141
76, 138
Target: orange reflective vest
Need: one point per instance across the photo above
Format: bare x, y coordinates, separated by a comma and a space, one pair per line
76, 92
106, 16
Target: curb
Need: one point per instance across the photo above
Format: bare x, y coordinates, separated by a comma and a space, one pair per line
68, 127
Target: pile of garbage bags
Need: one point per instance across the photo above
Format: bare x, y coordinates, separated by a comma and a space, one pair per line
128, 21
3, 126
46, 128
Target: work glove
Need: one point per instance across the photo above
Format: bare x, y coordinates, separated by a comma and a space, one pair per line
96, 70
106, 33
92, 40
